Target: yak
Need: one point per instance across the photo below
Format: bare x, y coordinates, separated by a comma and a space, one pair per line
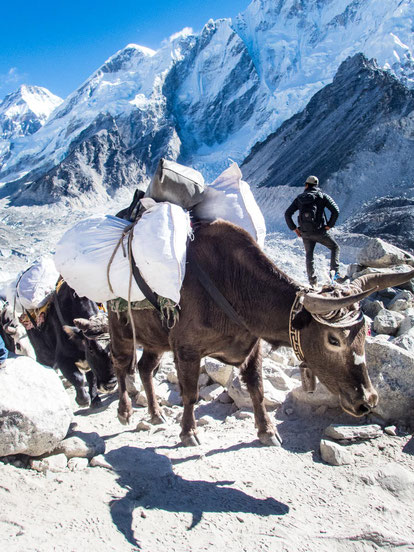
258, 301
68, 339
13, 333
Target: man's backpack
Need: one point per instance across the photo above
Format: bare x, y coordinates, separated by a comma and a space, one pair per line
310, 211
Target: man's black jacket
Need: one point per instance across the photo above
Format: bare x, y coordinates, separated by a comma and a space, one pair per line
322, 200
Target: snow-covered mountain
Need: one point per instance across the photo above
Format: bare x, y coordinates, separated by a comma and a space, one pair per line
23, 112
202, 98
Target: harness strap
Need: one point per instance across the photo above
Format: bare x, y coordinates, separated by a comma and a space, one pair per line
294, 334
216, 294
143, 286
58, 309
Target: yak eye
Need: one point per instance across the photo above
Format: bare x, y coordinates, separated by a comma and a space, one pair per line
333, 341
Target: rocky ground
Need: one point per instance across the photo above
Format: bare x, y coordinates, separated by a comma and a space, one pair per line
146, 492
135, 488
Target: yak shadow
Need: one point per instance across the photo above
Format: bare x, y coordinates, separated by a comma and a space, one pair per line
152, 484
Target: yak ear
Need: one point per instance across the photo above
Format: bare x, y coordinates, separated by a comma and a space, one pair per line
301, 320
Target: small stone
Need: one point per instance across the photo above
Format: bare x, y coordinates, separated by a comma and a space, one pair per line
78, 464
159, 428
387, 322
141, 399
224, 398
203, 380
243, 415
205, 420
56, 463
87, 446
211, 392
338, 432
143, 426
218, 372
172, 376
289, 411
335, 454
391, 430
100, 462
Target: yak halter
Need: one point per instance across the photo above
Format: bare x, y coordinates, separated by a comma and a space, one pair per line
294, 334
335, 319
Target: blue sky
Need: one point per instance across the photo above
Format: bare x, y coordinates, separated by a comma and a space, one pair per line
58, 44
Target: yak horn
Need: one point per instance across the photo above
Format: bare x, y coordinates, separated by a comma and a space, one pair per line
318, 304
384, 280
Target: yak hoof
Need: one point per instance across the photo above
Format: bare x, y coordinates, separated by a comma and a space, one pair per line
158, 419
124, 419
270, 440
190, 440
96, 402
82, 397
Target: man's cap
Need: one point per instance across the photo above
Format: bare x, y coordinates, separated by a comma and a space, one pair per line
312, 180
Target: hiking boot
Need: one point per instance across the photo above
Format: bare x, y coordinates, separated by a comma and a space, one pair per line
338, 278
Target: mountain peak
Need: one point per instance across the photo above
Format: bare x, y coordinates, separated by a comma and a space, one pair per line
25, 110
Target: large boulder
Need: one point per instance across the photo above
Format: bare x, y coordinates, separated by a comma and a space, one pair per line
380, 254
391, 369
35, 411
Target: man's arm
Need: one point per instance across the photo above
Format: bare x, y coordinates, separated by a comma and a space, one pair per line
288, 216
330, 204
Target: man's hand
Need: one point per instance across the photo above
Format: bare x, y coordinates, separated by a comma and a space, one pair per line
297, 232
327, 227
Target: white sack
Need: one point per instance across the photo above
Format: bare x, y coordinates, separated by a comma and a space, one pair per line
159, 247
32, 287
230, 198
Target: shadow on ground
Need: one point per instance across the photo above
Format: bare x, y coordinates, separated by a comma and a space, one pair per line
152, 484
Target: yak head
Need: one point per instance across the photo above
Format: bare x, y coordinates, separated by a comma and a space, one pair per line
332, 336
92, 338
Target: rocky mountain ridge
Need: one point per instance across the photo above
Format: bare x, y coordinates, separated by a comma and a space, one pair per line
356, 134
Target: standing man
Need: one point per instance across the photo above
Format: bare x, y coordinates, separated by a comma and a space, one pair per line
313, 227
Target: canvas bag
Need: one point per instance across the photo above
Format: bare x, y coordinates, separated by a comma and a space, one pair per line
159, 248
33, 287
177, 184
230, 198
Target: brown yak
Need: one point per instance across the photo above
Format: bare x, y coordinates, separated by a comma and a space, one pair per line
263, 296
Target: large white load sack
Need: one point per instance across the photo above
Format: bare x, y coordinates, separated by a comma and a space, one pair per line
32, 288
177, 184
159, 247
230, 198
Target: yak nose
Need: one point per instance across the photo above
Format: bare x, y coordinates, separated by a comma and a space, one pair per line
368, 402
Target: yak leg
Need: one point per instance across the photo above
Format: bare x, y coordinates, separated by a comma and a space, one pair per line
147, 364
76, 378
93, 388
122, 352
187, 362
251, 374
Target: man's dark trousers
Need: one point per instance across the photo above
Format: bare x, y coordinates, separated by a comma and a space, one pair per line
309, 242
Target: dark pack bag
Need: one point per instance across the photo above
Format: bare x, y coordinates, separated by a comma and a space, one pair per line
177, 184
310, 215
